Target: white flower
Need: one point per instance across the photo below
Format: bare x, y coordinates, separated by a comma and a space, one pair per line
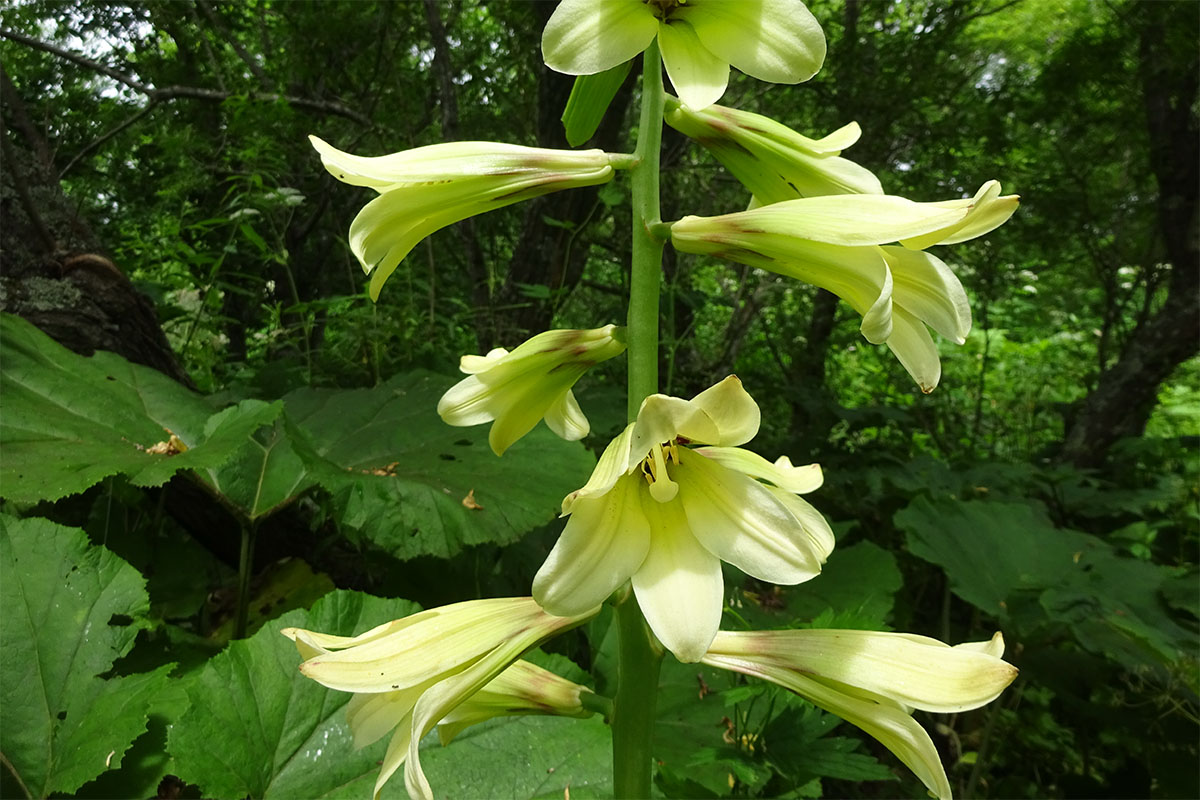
664, 515
773, 40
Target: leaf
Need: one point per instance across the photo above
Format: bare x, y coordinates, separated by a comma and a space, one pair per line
590, 98
855, 589
264, 475
258, 728
1004, 558
70, 610
520, 758
416, 486
71, 421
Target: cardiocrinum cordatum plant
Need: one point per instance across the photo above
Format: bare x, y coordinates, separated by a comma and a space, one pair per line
678, 491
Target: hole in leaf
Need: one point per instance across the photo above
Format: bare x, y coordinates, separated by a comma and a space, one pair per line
120, 620
61, 715
463, 443
446, 457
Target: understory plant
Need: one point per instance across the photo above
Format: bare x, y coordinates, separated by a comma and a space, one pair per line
678, 493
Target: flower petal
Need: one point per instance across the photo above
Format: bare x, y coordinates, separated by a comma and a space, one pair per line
894, 728
604, 542
732, 409
930, 291
772, 40
445, 637
993, 646
472, 364
912, 671
373, 715
567, 419
584, 37
397, 753
986, 211
817, 534
699, 77
679, 585
739, 520
613, 463
662, 418
442, 698
915, 349
800, 480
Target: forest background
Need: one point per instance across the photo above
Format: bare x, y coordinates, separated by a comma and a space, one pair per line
161, 201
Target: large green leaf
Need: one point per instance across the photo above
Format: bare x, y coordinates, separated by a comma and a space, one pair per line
264, 475
70, 610
417, 486
71, 421
258, 728
855, 589
1013, 563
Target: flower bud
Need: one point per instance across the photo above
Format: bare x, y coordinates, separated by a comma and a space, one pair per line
516, 389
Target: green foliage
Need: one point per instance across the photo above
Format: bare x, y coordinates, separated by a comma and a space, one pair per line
1018, 567
416, 486
69, 422
71, 610
316, 425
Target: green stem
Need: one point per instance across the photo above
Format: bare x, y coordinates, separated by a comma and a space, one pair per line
639, 656
638, 662
647, 248
245, 568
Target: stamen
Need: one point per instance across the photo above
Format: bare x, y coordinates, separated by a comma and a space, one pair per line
662, 488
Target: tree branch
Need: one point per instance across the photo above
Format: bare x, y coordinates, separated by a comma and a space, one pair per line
168, 93
104, 137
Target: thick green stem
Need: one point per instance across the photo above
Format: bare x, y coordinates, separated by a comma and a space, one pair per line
639, 659
245, 569
639, 656
647, 248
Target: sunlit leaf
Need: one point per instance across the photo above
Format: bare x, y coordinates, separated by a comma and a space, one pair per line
70, 610
71, 421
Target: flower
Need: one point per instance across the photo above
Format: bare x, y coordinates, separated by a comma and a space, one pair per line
532, 382
770, 159
834, 242
873, 680
410, 673
426, 189
772, 40
665, 515
523, 688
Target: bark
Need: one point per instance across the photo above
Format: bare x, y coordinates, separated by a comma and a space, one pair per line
55, 273
1125, 395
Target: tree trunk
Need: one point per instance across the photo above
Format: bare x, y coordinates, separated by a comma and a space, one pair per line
55, 274
1121, 404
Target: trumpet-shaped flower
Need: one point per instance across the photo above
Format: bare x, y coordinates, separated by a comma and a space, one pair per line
664, 514
531, 383
840, 243
772, 40
410, 673
874, 680
522, 689
426, 189
773, 161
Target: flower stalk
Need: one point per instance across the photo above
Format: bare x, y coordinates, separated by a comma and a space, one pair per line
639, 657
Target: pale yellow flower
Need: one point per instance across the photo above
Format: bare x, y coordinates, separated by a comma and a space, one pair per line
664, 514
873, 680
840, 243
531, 383
773, 40
411, 673
426, 189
